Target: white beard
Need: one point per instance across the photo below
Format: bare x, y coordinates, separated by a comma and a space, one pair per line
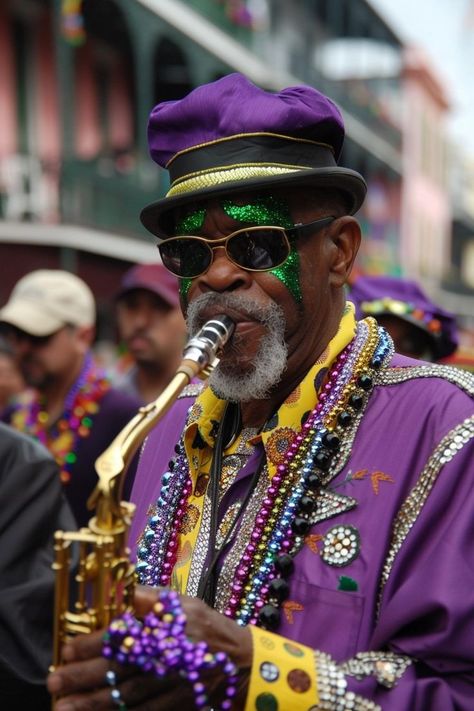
270, 360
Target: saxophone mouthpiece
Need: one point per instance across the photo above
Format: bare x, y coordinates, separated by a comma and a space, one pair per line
212, 337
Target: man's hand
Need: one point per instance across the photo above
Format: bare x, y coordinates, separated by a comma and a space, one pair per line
81, 684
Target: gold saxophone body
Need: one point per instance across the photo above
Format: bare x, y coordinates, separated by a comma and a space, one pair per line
103, 585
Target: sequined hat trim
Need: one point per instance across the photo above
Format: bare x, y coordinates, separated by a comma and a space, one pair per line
252, 149
207, 179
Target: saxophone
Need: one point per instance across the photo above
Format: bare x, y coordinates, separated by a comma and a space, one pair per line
105, 577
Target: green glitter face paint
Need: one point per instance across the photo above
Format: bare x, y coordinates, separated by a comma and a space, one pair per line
184, 287
191, 224
289, 274
266, 210
262, 211
271, 211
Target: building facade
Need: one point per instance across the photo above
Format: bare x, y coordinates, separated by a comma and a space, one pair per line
79, 78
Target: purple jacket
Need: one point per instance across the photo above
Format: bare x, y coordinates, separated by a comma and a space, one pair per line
410, 590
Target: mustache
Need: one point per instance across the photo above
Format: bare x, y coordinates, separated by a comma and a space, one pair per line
141, 333
234, 305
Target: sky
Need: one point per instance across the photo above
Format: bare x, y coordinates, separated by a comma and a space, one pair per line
445, 29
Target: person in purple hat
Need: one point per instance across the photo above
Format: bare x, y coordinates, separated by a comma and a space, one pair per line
419, 328
151, 326
306, 519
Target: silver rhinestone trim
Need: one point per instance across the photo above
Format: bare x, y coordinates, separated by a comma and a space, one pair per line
462, 378
200, 551
332, 689
411, 508
329, 504
348, 434
386, 667
191, 390
241, 540
233, 463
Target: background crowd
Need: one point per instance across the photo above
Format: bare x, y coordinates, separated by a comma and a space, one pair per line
59, 390
57, 386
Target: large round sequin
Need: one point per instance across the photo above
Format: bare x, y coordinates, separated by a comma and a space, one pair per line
293, 649
298, 681
341, 545
267, 643
269, 671
266, 702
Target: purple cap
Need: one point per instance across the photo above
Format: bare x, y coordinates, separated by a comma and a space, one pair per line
392, 296
230, 136
151, 277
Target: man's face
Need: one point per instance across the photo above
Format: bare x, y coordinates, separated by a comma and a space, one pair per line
50, 359
304, 320
152, 330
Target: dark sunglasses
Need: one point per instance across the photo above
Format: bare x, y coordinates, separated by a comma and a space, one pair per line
256, 249
15, 335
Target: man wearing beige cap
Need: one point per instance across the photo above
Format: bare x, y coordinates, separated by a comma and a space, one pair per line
70, 407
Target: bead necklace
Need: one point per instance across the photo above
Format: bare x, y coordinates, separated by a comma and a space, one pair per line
284, 518
158, 645
81, 403
260, 579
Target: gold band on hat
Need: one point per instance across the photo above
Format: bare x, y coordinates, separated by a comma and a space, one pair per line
212, 178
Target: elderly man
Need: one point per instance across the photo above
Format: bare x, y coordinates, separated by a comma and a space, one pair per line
317, 495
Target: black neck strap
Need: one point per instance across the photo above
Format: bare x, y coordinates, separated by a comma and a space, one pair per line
229, 429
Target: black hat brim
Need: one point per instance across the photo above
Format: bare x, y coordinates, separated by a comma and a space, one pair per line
348, 181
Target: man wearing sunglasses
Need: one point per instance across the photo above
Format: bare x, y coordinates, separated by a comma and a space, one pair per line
311, 504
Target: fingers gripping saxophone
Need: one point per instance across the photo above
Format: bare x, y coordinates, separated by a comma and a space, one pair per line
105, 577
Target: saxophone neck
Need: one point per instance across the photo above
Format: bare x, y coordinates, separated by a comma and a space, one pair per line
111, 466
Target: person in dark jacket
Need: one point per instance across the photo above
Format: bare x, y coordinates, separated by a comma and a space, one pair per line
32, 508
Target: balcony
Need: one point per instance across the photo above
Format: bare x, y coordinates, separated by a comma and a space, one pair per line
216, 12
95, 194
100, 194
